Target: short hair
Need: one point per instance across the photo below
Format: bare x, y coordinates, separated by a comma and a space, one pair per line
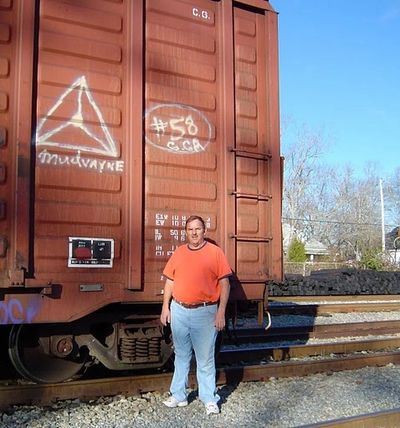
193, 218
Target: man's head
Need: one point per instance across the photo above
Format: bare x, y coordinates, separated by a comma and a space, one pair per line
195, 231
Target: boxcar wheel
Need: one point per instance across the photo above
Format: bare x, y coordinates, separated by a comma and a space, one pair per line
30, 351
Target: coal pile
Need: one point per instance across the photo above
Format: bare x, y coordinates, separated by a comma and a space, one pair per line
331, 282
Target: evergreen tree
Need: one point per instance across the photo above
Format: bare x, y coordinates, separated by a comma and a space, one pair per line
297, 251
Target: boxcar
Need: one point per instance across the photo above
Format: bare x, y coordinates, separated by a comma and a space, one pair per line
119, 119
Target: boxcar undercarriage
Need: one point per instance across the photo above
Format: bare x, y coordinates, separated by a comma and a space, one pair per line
49, 353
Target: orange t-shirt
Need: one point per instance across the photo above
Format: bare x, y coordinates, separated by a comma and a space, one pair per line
196, 273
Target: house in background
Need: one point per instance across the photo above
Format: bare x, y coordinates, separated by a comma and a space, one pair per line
314, 249
392, 245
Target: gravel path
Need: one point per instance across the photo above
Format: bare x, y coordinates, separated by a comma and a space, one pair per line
278, 403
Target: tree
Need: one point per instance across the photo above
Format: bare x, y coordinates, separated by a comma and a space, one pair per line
296, 251
357, 210
334, 206
302, 151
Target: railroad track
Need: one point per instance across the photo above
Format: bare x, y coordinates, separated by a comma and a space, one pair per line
283, 343
384, 419
321, 305
287, 352
264, 358
312, 331
134, 385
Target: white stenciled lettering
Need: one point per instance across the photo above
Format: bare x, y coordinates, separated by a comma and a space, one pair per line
204, 14
159, 251
160, 219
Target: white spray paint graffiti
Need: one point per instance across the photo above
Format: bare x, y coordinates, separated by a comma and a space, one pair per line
104, 147
102, 144
99, 165
177, 132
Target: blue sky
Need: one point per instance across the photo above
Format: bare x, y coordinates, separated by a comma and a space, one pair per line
340, 73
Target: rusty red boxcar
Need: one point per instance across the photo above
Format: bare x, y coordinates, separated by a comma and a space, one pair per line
119, 119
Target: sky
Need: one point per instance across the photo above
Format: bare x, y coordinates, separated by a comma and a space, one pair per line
339, 65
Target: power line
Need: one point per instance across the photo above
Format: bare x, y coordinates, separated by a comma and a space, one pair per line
336, 222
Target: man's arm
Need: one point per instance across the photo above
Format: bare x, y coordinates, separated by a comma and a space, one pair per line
223, 301
165, 312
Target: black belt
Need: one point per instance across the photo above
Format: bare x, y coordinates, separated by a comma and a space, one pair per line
195, 305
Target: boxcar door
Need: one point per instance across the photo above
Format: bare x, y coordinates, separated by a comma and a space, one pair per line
188, 98
257, 159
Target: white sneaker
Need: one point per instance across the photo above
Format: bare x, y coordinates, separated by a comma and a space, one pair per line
173, 402
212, 408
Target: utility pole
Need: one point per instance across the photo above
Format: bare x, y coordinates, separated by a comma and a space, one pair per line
382, 216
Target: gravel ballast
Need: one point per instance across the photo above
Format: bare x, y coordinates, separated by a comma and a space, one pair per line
277, 403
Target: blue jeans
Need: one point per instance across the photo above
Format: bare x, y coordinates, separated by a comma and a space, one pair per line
194, 329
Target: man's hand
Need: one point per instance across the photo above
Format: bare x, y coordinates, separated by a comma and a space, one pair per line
165, 316
223, 301
220, 320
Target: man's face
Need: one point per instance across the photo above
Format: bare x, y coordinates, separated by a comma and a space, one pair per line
195, 233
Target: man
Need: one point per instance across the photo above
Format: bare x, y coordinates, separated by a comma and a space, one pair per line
197, 282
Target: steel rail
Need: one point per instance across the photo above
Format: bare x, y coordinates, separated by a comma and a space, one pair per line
338, 298
321, 308
383, 419
305, 368
286, 352
315, 331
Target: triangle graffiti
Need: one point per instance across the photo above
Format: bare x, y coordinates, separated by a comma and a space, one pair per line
97, 140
